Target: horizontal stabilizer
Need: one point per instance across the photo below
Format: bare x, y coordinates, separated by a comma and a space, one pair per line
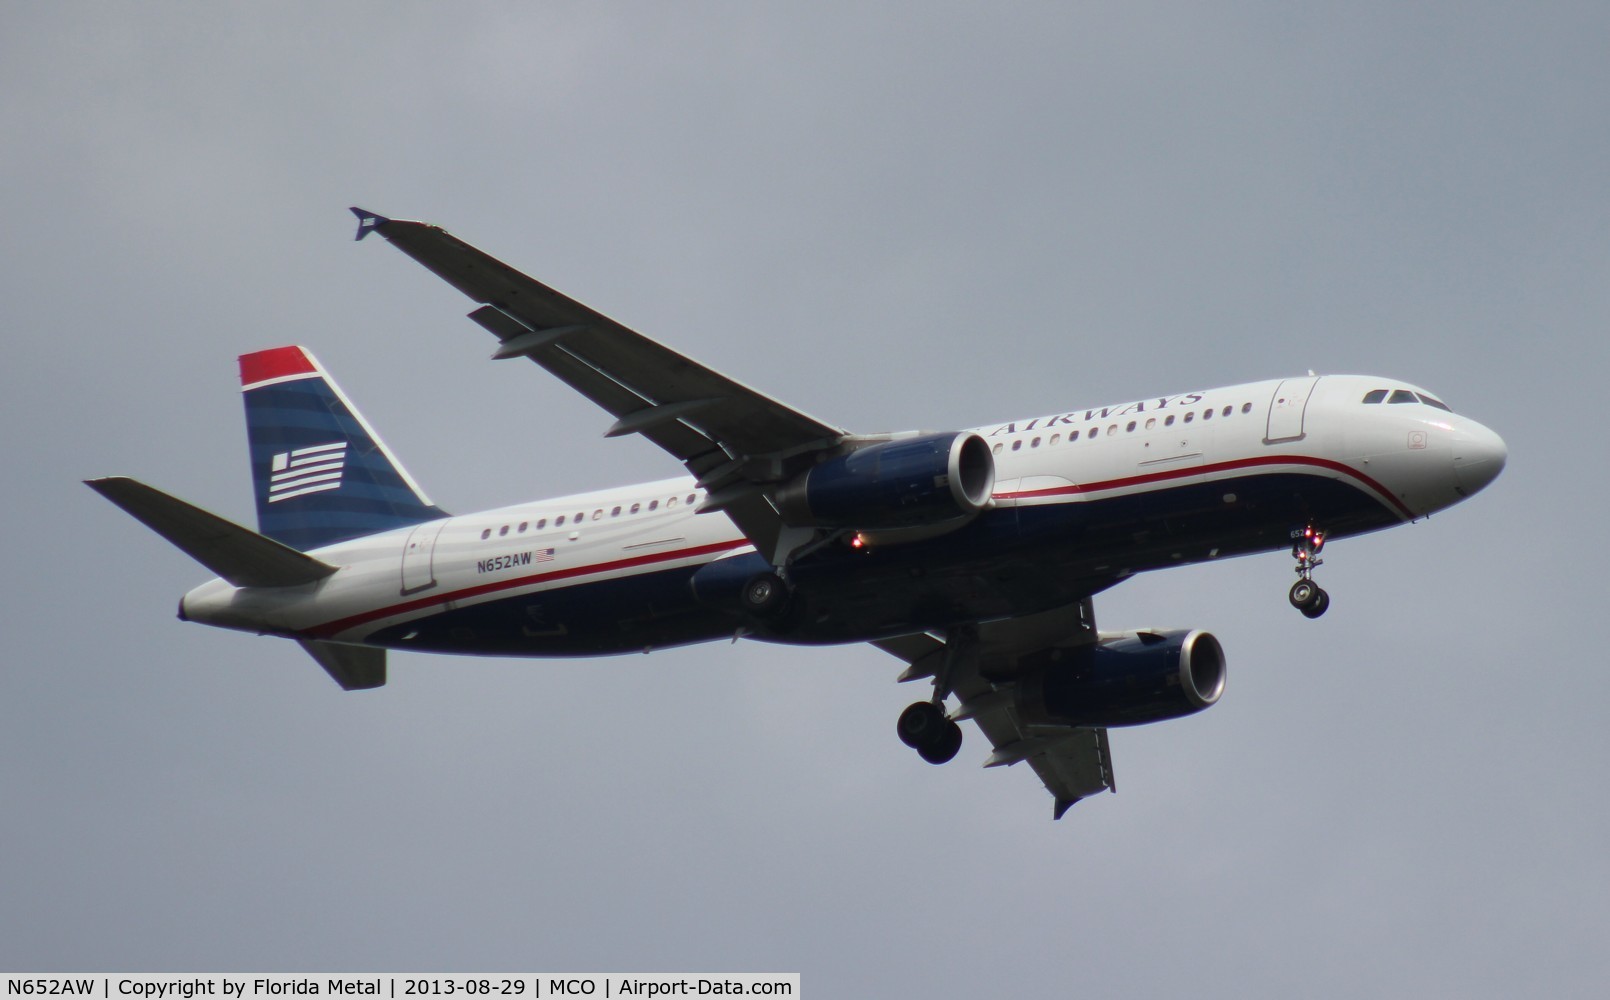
353, 667
239, 555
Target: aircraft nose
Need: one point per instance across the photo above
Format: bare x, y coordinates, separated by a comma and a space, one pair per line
1478, 456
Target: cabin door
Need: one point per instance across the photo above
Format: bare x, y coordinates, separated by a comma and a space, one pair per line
419, 553
1286, 408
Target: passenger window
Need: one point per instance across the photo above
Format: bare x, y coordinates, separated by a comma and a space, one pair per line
1151, 422
1094, 431
615, 513
1190, 416
1402, 396
1227, 411
653, 505
598, 513
692, 497
1131, 428
635, 508
503, 531
1207, 414
542, 522
1246, 407
671, 502
1017, 445
1056, 439
1375, 395
1073, 436
486, 534
523, 525
1168, 421
559, 522
1035, 443
581, 516
1112, 429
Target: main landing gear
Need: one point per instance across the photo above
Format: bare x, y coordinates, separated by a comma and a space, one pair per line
764, 595
925, 726
1306, 595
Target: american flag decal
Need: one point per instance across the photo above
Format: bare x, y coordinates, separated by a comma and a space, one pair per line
306, 470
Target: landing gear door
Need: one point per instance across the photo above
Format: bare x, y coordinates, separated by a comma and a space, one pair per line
1286, 408
418, 570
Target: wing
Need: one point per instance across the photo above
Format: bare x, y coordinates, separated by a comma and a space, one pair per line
1072, 762
734, 440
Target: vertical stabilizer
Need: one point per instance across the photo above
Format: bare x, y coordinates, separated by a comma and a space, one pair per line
320, 474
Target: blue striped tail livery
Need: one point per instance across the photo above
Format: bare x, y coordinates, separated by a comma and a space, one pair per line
320, 474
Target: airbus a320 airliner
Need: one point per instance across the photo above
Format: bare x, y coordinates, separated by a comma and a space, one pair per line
971, 555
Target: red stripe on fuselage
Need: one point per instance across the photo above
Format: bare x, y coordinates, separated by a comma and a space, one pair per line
1205, 470
329, 629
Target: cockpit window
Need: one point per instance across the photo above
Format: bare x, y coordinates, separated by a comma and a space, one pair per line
1439, 404
1404, 396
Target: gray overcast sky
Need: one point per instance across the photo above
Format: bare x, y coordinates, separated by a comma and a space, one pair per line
891, 216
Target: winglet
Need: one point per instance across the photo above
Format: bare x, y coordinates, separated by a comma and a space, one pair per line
368, 222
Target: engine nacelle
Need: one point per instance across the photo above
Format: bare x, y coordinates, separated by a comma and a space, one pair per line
905, 483
1125, 679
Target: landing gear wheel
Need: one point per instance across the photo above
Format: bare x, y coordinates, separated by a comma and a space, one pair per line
924, 727
1319, 606
943, 749
764, 595
918, 724
1304, 595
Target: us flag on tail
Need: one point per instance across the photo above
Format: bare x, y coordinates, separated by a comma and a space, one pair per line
306, 470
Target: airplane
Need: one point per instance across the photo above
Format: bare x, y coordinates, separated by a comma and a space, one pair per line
972, 556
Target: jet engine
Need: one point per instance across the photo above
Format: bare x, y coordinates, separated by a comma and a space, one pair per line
1124, 679
909, 482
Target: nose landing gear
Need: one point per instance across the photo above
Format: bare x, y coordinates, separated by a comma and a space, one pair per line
1306, 595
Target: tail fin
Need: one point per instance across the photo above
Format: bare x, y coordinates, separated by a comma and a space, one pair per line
320, 474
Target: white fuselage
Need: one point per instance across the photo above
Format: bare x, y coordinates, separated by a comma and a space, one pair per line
1396, 461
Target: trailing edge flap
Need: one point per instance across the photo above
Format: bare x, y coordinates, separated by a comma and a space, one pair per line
353, 667
1071, 762
239, 555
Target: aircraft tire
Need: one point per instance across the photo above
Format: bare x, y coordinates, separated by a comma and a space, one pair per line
945, 747
919, 724
1319, 606
1304, 594
764, 595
